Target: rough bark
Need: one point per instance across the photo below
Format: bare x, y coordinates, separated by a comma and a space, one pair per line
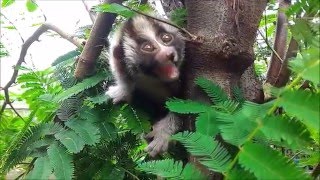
229, 30
280, 42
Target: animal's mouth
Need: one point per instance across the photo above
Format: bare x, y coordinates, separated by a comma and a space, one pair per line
167, 72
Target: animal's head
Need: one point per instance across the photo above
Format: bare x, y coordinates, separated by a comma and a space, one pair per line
153, 47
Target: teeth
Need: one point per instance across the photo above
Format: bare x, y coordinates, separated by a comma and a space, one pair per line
174, 74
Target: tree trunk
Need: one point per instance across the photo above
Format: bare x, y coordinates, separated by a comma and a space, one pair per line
229, 31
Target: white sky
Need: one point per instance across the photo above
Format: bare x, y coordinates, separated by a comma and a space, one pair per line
67, 15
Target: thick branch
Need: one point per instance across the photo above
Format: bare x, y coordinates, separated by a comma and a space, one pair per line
280, 42
92, 49
284, 72
25, 46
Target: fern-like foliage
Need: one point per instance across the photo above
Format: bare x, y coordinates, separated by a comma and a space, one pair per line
294, 136
214, 91
186, 106
238, 126
71, 140
23, 150
171, 169
42, 169
210, 153
61, 161
85, 84
99, 99
207, 123
265, 163
65, 57
303, 105
69, 107
307, 64
88, 131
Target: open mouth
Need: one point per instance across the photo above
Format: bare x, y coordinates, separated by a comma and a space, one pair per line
167, 72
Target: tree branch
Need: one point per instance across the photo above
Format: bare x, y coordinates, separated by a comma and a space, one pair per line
192, 37
280, 42
13, 26
25, 46
92, 49
92, 17
284, 72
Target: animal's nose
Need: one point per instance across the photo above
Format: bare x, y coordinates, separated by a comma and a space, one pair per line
170, 56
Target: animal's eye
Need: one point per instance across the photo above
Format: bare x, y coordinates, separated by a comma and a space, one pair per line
166, 38
147, 46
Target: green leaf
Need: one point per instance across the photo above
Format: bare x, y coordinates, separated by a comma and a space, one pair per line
6, 3
31, 5
209, 152
107, 130
136, 120
166, 168
99, 99
286, 130
73, 142
301, 30
307, 65
89, 133
41, 170
266, 163
85, 84
186, 106
238, 126
115, 8
304, 105
237, 172
191, 172
213, 90
61, 161
65, 57
207, 124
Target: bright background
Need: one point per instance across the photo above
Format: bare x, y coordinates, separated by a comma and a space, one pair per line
67, 15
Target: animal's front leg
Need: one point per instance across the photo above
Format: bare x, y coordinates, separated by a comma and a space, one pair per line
161, 132
119, 93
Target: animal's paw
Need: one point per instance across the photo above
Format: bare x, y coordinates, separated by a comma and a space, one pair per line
118, 94
159, 142
159, 138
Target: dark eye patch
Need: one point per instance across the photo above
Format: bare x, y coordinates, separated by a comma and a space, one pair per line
147, 47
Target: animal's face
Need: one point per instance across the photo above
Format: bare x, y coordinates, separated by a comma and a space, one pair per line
155, 48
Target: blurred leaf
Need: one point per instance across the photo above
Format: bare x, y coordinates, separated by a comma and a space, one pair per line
115, 8
31, 5
6, 3
307, 64
72, 141
41, 170
304, 105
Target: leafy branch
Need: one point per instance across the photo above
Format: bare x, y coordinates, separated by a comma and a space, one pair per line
25, 46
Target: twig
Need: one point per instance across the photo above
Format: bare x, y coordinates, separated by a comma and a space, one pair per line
92, 17
192, 36
25, 46
13, 26
269, 46
315, 173
15, 111
133, 176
